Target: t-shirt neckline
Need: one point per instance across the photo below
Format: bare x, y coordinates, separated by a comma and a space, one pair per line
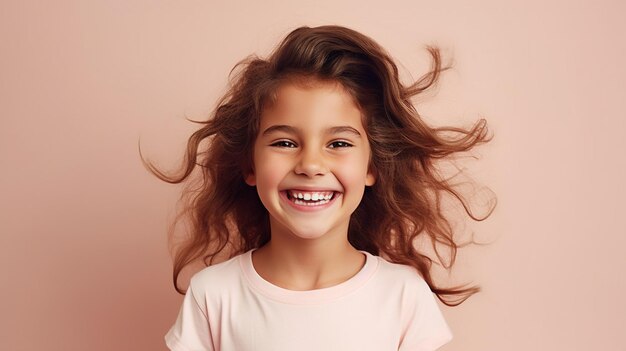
306, 297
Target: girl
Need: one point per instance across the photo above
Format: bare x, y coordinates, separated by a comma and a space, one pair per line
317, 177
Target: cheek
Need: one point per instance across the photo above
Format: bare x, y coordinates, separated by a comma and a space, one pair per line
352, 172
269, 173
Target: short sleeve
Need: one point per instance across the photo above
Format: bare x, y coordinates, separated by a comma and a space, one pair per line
427, 330
191, 331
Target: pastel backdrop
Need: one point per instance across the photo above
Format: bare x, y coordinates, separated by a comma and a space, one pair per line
85, 265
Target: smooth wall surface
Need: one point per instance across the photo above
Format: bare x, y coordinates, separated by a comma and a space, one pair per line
85, 264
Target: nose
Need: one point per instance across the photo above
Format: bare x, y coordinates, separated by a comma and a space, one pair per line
311, 163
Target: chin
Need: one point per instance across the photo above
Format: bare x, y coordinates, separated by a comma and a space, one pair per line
309, 234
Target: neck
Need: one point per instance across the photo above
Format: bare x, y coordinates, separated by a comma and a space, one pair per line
306, 264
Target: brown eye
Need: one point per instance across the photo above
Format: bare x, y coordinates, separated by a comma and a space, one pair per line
284, 143
339, 144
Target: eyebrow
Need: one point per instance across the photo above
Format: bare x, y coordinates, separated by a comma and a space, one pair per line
293, 130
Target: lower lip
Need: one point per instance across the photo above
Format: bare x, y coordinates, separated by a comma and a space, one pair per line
309, 208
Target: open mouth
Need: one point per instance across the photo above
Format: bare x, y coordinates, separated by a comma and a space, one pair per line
310, 198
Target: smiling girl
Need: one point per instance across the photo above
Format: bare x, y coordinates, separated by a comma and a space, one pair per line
317, 178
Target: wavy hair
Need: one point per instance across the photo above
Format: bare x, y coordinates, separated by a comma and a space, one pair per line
226, 216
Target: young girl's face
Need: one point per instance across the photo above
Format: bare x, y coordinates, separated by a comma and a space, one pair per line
311, 160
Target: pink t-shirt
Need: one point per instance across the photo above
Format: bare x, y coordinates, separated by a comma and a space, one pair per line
385, 306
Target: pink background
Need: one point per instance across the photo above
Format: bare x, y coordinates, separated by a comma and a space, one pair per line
83, 225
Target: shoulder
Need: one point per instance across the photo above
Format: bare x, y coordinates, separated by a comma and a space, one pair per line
394, 274
217, 278
423, 324
402, 282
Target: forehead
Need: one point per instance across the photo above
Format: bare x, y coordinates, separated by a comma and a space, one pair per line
313, 102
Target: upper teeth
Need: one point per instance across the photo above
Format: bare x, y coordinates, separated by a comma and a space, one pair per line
311, 196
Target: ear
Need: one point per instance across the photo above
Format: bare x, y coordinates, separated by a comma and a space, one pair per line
370, 178
251, 179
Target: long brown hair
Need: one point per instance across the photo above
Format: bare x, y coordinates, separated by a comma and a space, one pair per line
226, 215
